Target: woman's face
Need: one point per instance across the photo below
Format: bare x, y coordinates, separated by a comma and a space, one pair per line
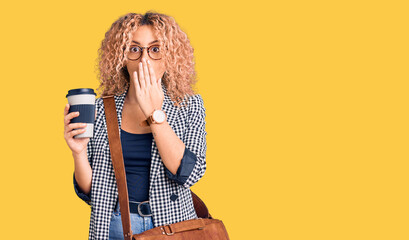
144, 37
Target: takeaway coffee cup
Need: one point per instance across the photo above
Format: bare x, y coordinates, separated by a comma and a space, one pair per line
83, 100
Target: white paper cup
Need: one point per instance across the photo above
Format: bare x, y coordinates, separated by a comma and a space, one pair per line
83, 100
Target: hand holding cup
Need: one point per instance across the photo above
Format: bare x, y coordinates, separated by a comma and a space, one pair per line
79, 129
77, 145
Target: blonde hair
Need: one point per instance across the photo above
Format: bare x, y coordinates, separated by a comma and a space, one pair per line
177, 53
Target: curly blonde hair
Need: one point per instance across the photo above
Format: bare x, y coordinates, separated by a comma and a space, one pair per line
177, 53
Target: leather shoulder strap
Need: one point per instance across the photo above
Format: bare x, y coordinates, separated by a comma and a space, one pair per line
118, 163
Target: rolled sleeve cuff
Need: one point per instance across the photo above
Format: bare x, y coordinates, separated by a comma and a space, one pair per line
80, 193
185, 169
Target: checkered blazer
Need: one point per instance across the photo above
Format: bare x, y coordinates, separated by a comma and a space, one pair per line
169, 195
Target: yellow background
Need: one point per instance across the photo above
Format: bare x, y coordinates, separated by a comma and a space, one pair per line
306, 105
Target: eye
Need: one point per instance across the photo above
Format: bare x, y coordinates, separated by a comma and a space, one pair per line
155, 49
134, 49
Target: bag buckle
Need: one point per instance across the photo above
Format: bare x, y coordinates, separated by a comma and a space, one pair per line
164, 231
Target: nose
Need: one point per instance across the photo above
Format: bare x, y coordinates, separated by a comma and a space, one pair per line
144, 54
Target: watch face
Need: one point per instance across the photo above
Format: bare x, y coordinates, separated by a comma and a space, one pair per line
158, 116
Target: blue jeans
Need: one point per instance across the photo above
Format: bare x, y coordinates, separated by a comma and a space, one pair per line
138, 224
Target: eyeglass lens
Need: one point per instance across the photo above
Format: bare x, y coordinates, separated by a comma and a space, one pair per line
135, 52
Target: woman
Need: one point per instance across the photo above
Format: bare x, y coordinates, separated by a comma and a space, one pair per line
146, 62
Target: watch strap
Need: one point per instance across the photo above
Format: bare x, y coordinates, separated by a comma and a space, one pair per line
148, 121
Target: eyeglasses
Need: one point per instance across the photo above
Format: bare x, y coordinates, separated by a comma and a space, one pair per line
135, 52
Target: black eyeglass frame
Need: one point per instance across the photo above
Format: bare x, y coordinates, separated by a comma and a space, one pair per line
143, 48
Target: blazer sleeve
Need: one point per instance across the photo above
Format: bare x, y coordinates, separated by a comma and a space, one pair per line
85, 197
193, 163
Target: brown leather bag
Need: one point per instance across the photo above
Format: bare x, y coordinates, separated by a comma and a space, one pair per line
204, 227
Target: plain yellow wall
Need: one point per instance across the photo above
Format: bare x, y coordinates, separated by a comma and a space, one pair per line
306, 105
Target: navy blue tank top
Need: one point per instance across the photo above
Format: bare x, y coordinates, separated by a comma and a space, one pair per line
136, 150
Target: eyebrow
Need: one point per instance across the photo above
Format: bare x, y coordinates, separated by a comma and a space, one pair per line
148, 44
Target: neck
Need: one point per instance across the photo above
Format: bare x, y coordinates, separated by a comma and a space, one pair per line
131, 94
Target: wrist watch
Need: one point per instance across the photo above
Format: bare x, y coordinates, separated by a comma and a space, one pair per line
158, 116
